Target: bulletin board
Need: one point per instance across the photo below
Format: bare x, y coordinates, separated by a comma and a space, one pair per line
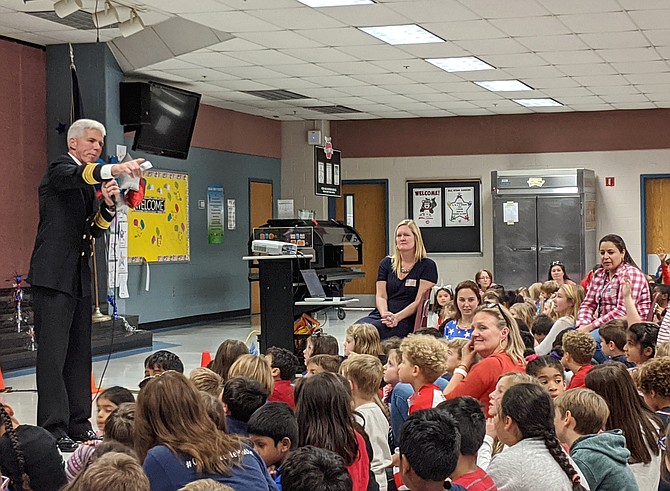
158, 229
448, 213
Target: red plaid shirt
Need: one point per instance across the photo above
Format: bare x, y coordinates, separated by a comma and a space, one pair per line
604, 300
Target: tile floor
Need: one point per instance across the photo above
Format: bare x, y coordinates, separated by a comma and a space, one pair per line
127, 369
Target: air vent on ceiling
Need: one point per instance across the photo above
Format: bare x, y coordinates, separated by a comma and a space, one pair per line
276, 95
333, 109
79, 20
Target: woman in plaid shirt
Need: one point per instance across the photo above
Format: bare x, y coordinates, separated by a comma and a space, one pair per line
605, 299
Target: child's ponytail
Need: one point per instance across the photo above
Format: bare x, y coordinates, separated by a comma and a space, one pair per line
20, 460
556, 451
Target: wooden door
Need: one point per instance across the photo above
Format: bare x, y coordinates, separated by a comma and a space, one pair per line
657, 202
370, 222
260, 211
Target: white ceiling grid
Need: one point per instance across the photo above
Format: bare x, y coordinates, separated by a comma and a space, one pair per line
590, 55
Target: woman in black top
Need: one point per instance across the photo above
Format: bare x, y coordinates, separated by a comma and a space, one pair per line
401, 281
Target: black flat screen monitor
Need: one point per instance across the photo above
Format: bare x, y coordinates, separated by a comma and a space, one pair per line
172, 113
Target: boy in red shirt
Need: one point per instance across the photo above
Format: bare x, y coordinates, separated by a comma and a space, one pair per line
284, 366
423, 360
578, 349
472, 426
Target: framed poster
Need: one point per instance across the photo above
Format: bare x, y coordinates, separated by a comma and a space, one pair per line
448, 213
327, 172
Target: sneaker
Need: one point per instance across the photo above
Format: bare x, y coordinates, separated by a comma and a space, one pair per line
66, 444
86, 436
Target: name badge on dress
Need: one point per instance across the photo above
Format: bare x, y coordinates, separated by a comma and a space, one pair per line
410, 282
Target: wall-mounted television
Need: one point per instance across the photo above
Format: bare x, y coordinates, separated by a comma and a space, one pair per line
168, 127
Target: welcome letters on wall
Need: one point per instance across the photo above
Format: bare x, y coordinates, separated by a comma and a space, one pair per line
158, 229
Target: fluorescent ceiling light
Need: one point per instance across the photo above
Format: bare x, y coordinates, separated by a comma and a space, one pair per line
406, 34
538, 102
334, 3
504, 85
63, 8
461, 64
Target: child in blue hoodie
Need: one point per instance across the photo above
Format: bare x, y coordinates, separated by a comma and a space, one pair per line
602, 457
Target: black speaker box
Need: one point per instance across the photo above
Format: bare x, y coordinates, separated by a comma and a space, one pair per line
135, 100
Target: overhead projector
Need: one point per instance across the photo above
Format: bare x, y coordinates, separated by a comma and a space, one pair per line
274, 247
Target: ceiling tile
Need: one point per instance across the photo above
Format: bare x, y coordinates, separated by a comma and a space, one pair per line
335, 81
468, 29
613, 40
421, 11
483, 47
606, 80
628, 54
351, 68
365, 15
231, 21
181, 7
534, 72
303, 70
531, 26
491, 9
207, 59
587, 69
370, 53
561, 42
367, 90
268, 57
239, 85
252, 72
412, 89
658, 37
390, 99
279, 39
568, 92
580, 6
297, 18
432, 77
598, 22
623, 98
245, 5
571, 57
547, 84
345, 36
641, 67
651, 19
615, 89
406, 65
436, 96
515, 60
236, 44
319, 55
199, 74
382, 78
648, 78
433, 50
634, 105
293, 84
323, 92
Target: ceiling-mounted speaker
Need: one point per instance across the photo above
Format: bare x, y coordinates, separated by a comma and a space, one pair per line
132, 25
106, 17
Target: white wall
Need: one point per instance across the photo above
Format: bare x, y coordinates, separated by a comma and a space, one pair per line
618, 208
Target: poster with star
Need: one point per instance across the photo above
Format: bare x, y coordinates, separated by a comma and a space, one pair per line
459, 207
158, 229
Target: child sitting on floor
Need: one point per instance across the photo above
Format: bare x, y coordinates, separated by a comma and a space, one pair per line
613, 341
578, 350
241, 397
423, 360
284, 365
323, 363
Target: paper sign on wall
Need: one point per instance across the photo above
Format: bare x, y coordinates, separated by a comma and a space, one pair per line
459, 209
427, 207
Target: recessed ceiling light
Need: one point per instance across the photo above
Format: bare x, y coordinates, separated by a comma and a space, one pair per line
538, 102
504, 85
334, 3
406, 34
461, 64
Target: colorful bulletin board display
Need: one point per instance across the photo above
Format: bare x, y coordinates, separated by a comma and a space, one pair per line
158, 229
448, 213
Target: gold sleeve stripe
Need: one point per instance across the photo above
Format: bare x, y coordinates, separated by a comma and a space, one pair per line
87, 174
101, 222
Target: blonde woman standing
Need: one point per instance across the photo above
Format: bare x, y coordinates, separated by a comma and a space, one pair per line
402, 279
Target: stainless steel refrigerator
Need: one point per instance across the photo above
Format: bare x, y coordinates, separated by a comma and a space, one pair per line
539, 217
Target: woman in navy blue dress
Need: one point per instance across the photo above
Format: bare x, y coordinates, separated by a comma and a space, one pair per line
401, 281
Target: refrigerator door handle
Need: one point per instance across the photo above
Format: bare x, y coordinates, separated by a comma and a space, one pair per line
550, 248
524, 249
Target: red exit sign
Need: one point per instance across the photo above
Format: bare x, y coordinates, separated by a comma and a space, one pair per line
609, 182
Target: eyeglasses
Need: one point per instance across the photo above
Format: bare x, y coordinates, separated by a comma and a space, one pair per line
556, 263
494, 305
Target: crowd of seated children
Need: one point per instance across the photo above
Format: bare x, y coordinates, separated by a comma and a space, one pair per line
227, 353
29, 455
613, 341
653, 381
253, 367
534, 455
429, 444
284, 366
471, 425
107, 402
641, 340
629, 413
320, 344
241, 397
310, 468
207, 380
162, 361
363, 339
273, 430
365, 373
578, 350
324, 410
602, 456
549, 373
323, 363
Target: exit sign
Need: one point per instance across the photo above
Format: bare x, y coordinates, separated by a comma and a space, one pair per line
609, 182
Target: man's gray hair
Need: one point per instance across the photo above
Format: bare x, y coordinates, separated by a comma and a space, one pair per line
79, 127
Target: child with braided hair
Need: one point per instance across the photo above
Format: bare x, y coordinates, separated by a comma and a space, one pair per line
29, 455
526, 424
